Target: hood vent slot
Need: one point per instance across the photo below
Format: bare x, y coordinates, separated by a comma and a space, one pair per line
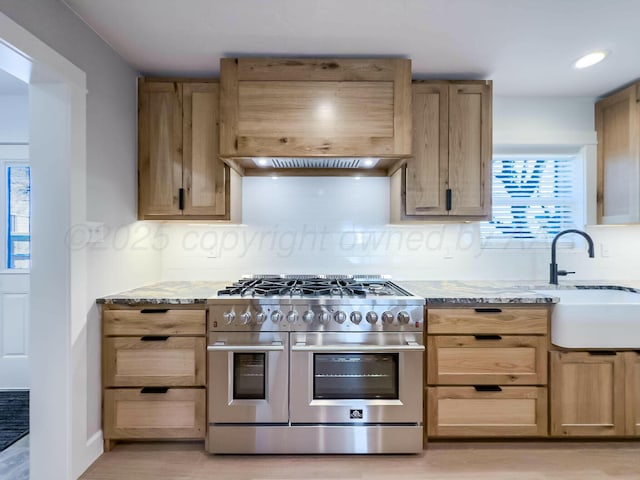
315, 162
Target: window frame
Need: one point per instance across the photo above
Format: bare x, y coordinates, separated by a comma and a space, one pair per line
5, 163
579, 214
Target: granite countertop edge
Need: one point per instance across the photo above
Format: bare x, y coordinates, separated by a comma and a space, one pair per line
434, 292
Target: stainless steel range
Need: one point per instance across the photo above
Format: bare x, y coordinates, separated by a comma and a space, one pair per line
315, 364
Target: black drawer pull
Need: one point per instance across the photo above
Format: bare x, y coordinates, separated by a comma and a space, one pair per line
154, 390
487, 337
488, 310
153, 338
602, 352
154, 310
487, 388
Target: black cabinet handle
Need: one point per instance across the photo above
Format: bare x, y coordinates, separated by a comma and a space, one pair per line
488, 310
154, 338
487, 337
448, 199
602, 353
154, 390
181, 199
154, 310
487, 388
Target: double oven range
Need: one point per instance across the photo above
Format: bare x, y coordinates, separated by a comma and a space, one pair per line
315, 364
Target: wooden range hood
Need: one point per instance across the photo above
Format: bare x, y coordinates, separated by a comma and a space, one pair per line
315, 116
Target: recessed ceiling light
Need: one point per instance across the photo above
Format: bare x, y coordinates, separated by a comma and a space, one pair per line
369, 162
263, 162
590, 59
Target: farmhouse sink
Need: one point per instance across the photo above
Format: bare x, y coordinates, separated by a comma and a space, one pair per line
595, 318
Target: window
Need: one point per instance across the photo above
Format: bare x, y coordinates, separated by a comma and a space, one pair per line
533, 197
18, 220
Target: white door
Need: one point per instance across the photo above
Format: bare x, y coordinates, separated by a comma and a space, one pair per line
14, 270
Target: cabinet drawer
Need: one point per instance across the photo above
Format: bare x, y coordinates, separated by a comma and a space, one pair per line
467, 412
178, 413
154, 361
487, 359
487, 320
154, 321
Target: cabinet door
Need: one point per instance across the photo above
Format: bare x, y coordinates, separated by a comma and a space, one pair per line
632, 392
154, 413
205, 175
618, 128
159, 148
303, 107
470, 149
487, 360
486, 411
154, 361
587, 394
427, 172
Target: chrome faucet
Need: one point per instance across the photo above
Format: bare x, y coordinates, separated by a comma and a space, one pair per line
553, 267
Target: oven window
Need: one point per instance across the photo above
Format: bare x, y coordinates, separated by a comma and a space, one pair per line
355, 376
248, 376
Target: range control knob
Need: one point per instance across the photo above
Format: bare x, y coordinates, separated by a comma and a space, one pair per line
276, 316
324, 317
229, 317
356, 317
372, 317
260, 317
387, 318
245, 318
292, 316
340, 317
307, 317
403, 317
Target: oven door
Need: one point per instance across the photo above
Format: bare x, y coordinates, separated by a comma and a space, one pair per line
248, 377
361, 378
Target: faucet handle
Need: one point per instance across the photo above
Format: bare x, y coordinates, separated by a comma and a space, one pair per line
564, 272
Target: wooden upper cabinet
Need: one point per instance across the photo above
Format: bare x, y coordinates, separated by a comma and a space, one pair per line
618, 129
315, 107
159, 147
450, 171
180, 174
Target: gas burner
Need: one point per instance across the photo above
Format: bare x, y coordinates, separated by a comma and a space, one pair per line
304, 286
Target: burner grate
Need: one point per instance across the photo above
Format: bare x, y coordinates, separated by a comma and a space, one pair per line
312, 286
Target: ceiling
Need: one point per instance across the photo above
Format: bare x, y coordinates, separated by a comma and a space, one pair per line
526, 46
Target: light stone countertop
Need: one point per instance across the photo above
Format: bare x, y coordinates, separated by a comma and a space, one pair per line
435, 292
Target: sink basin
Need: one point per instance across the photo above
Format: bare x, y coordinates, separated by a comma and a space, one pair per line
595, 318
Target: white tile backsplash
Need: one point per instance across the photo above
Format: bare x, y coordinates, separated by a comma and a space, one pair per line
340, 225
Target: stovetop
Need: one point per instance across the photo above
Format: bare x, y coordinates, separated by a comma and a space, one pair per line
313, 286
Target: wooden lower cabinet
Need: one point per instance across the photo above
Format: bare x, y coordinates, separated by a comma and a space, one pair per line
587, 393
153, 372
632, 393
487, 359
154, 361
487, 411
154, 413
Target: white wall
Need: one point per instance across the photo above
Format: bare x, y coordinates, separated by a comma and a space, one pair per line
110, 198
14, 119
340, 225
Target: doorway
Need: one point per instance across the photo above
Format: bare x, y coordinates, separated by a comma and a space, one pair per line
57, 153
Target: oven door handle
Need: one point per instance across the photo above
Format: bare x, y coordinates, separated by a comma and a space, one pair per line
353, 347
222, 347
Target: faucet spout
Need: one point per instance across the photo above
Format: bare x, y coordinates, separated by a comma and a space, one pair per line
553, 267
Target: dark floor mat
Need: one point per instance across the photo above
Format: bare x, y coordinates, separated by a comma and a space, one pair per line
14, 416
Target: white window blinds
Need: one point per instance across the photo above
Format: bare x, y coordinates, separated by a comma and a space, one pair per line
532, 198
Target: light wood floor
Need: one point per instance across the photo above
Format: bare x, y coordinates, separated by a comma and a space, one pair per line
447, 461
